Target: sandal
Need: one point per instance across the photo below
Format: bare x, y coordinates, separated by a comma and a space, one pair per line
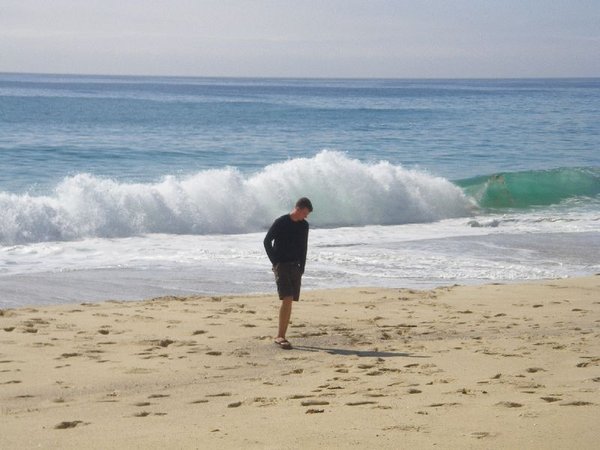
283, 343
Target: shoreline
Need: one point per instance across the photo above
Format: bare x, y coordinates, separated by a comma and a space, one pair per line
465, 366
98, 286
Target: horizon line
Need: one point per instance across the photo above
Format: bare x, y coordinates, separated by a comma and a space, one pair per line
289, 77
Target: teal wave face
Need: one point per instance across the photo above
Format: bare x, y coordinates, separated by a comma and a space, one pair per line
532, 188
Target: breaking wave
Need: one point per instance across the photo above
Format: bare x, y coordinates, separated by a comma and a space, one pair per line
344, 192
532, 188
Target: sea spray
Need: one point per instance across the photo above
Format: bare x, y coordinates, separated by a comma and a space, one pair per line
345, 192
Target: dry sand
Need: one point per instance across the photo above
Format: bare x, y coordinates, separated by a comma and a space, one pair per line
497, 366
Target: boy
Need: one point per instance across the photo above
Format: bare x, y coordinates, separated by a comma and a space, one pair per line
286, 244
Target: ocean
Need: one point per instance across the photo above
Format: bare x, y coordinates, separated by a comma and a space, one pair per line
127, 188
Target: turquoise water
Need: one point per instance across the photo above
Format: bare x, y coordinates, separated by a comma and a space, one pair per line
91, 164
533, 187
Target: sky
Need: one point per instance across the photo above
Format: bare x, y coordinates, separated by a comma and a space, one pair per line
303, 38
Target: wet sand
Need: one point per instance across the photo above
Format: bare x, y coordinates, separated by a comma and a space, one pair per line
496, 366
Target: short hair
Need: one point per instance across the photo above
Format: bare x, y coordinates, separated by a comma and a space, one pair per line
304, 203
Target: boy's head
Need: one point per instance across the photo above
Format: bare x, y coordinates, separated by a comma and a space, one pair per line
304, 203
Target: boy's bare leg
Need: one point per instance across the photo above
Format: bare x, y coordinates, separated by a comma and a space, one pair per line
285, 312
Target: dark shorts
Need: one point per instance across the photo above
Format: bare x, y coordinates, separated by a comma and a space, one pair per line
288, 277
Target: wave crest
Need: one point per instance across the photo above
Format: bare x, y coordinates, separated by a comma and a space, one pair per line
344, 191
533, 188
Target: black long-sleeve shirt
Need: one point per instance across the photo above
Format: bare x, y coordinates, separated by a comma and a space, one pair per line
287, 241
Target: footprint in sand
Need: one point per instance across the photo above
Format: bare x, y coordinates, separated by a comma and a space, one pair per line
165, 342
360, 403
314, 402
404, 428
592, 362
222, 394
69, 355
439, 405
158, 396
298, 396
68, 424
509, 404
577, 403
482, 434
146, 414
234, 405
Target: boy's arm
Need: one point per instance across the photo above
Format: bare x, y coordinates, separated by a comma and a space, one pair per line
304, 249
268, 243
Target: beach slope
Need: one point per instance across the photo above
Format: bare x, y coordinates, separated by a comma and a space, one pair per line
495, 366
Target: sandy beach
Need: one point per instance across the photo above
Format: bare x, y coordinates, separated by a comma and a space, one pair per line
495, 366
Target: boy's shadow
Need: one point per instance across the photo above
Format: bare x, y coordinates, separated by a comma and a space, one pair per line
360, 353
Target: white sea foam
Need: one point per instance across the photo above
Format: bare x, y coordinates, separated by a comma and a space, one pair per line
415, 255
344, 191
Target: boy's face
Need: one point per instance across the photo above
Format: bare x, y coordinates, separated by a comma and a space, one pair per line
302, 213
